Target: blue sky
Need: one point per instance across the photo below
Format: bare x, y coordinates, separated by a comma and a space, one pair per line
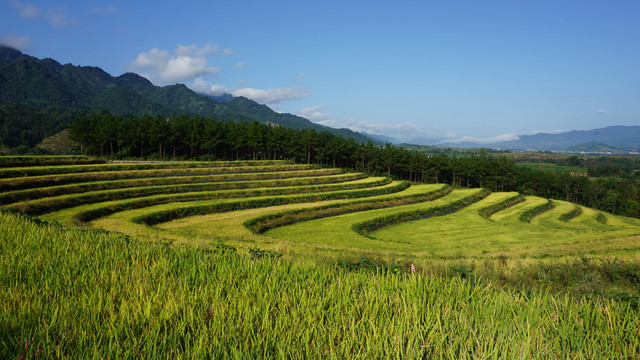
460, 70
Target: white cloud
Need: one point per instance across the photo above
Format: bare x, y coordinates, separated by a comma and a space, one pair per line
264, 96
535, 132
270, 96
601, 112
240, 64
403, 131
27, 10
489, 140
56, 17
313, 113
305, 76
17, 42
186, 63
195, 51
109, 9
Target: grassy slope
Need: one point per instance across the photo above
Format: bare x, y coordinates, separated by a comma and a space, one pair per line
76, 294
80, 294
228, 226
184, 192
506, 236
336, 232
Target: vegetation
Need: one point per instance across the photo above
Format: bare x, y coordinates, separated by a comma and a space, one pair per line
526, 216
41, 97
79, 294
40, 161
180, 183
267, 222
194, 137
272, 246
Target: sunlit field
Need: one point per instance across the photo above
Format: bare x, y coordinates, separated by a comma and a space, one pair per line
273, 259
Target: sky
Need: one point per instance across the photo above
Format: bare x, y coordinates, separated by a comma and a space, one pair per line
452, 69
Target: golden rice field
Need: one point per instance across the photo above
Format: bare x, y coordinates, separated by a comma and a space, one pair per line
308, 213
177, 214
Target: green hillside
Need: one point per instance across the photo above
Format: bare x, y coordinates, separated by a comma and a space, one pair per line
39, 85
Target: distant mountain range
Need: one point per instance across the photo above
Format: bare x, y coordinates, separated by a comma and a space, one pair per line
611, 139
35, 86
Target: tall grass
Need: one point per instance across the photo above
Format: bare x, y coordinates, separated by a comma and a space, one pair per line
87, 294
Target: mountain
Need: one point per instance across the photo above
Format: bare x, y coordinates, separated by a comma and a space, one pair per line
594, 147
424, 141
383, 138
615, 139
42, 84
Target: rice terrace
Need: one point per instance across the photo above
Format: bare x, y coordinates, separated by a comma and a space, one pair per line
259, 259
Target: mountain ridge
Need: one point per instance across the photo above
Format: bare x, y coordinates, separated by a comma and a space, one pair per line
616, 138
40, 84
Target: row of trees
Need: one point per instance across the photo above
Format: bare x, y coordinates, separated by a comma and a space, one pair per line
187, 137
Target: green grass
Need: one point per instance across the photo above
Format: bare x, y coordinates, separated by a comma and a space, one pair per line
335, 234
506, 235
263, 223
86, 294
227, 227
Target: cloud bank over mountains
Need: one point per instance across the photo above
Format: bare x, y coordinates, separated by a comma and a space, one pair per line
189, 64
15, 41
185, 63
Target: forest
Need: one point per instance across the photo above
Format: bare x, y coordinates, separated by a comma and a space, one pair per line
610, 185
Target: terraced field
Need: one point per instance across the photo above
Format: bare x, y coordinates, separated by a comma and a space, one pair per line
570, 274
311, 214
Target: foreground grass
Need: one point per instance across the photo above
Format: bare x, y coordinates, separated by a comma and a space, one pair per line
88, 294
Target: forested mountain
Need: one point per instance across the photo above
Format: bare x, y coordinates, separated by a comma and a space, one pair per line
615, 139
37, 85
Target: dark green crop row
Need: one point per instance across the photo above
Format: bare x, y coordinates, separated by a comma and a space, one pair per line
37, 160
128, 166
13, 184
601, 218
487, 211
577, 210
526, 216
213, 182
267, 222
183, 193
172, 214
367, 227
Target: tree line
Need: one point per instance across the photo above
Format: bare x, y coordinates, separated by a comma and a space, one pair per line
193, 137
